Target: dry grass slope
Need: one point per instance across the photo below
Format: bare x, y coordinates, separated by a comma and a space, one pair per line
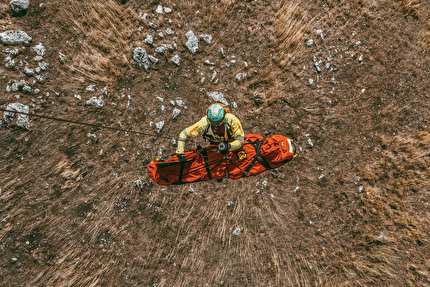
394, 187
104, 31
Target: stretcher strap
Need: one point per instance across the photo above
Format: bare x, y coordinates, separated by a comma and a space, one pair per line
257, 145
208, 172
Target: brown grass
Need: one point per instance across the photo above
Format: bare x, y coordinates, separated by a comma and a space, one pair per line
103, 31
290, 24
394, 228
410, 7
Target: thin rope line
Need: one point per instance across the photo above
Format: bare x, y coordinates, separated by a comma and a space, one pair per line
81, 123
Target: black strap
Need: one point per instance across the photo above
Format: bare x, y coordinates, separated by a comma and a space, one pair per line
257, 145
205, 154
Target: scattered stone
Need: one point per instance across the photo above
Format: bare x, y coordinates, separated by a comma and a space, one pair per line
38, 58
237, 231
191, 190
309, 42
36, 91
222, 52
9, 62
317, 67
14, 259
161, 35
13, 52
16, 86
360, 59
29, 72
257, 98
26, 89
311, 81
230, 203
240, 76
143, 16
14, 37
159, 9
43, 66
78, 97
159, 126
0, 188
39, 49
19, 6
40, 78
320, 32
96, 102
175, 112
149, 39
163, 48
152, 25
160, 99
62, 58
22, 120
139, 55
169, 31
327, 65
218, 98
192, 43
175, 59
209, 63
91, 88
206, 38
357, 43
153, 59
202, 80
167, 10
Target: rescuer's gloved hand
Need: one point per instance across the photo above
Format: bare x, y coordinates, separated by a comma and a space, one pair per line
181, 158
223, 148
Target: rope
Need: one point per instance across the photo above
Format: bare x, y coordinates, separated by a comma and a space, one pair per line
85, 124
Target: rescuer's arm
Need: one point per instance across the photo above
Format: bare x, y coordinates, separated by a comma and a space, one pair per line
239, 136
190, 132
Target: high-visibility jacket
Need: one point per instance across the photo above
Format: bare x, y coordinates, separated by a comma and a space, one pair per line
233, 133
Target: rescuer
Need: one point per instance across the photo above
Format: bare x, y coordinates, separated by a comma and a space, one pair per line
219, 126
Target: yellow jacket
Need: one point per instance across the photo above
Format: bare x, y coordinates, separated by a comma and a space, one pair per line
233, 133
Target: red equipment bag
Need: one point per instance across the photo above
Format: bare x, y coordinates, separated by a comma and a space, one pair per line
257, 155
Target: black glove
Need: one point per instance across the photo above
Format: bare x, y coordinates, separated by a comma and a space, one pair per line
223, 148
181, 158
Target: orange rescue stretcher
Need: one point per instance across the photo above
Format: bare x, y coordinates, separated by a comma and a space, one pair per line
257, 155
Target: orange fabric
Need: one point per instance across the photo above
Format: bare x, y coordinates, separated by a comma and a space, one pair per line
276, 151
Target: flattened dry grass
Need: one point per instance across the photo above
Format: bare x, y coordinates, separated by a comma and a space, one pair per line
291, 23
392, 205
103, 30
410, 7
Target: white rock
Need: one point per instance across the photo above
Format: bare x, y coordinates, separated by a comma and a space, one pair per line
237, 231
309, 42
206, 38
91, 88
160, 99
22, 120
159, 126
159, 9
176, 59
39, 49
163, 48
149, 39
176, 112
169, 31
192, 43
311, 81
78, 97
180, 103
96, 102
167, 10
240, 76
14, 37
139, 55
218, 97
153, 59
19, 6
29, 72
143, 16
